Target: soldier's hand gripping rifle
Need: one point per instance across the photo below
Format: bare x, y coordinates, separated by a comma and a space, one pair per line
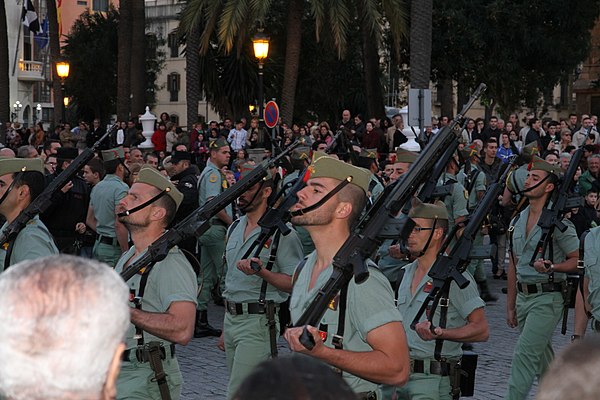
198, 221
44, 199
560, 203
350, 260
448, 268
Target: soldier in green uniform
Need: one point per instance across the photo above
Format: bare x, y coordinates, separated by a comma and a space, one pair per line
515, 182
163, 297
456, 202
473, 180
535, 301
21, 181
212, 243
111, 236
592, 275
250, 329
370, 332
367, 159
466, 322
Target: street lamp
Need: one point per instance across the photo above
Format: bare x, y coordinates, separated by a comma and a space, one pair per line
17, 106
38, 112
260, 42
62, 70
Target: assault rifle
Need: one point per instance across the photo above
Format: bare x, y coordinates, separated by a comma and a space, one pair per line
198, 221
350, 260
44, 199
449, 268
560, 203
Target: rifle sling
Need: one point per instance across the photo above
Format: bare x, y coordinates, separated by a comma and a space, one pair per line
271, 323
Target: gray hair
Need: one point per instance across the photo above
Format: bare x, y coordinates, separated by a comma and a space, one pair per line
23, 151
568, 156
62, 319
594, 156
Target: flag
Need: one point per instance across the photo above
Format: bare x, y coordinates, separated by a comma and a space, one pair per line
30, 18
41, 39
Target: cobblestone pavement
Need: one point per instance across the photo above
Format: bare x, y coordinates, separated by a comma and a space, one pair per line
205, 374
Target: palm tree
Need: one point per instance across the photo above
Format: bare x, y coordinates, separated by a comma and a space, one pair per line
192, 77
55, 52
420, 43
4, 80
138, 55
124, 60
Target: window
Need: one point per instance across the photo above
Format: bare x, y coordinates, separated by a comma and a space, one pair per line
100, 5
173, 85
82, 3
173, 43
174, 119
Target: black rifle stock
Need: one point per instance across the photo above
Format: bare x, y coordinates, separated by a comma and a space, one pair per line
198, 221
560, 203
448, 268
44, 199
350, 260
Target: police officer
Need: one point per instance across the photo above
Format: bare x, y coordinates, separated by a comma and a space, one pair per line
69, 205
163, 296
212, 242
21, 181
370, 331
185, 179
111, 236
250, 329
535, 301
466, 322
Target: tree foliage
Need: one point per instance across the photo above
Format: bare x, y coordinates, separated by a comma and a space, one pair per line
91, 49
520, 49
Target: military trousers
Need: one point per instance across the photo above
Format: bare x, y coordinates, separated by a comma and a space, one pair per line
212, 247
136, 380
475, 267
107, 253
537, 317
247, 344
425, 387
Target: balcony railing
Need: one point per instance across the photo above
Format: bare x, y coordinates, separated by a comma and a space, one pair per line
30, 71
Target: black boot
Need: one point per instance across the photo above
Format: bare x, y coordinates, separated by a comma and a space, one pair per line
485, 292
203, 328
216, 295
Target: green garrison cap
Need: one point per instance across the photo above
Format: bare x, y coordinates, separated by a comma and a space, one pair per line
301, 153
217, 144
329, 167
113, 154
436, 210
538, 164
406, 156
249, 166
12, 165
152, 177
530, 149
368, 153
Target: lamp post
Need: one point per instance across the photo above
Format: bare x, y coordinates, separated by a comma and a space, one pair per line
17, 106
62, 70
260, 42
38, 112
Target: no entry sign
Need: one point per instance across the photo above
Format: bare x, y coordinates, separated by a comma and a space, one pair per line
271, 114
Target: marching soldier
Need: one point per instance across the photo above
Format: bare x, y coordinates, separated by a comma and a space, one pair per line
535, 301
361, 333
250, 329
111, 236
368, 160
21, 181
163, 296
466, 322
212, 242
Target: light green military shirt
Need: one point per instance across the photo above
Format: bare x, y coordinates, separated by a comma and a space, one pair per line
591, 260
525, 246
516, 180
104, 198
478, 186
462, 303
369, 306
211, 183
376, 190
170, 280
288, 178
242, 288
33, 241
456, 203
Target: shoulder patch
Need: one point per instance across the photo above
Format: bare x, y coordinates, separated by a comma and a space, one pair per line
213, 178
188, 185
466, 194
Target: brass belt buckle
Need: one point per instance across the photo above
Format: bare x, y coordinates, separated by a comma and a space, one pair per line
231, 308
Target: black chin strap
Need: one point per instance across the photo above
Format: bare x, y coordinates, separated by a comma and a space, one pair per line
243, 209
11, 187
422, 252
127, 170
319, 203
138, 208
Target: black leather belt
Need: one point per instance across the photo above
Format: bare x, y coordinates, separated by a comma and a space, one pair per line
435, 367
143, 355
238, 308
539, 287
111, 241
